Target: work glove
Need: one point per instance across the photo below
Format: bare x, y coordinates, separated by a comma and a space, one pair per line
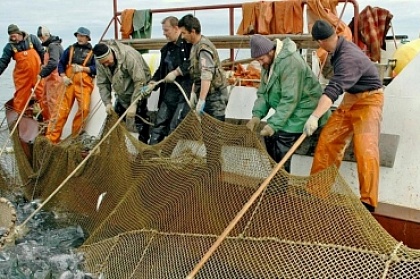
253, 123
130, 118
200, 106
67, 81
170, 78
131, 111
130, 122
311, 125
193, 100
77, 68
147, 89
109, 109
151, 85
267, 131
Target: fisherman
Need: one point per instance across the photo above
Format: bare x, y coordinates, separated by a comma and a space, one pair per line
289, 87
174, 63
28, 53
358, 117
209, 79
77, 69
124, 69
53, 85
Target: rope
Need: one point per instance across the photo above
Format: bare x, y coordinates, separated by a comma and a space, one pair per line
392, 258
245, 208
19, 118
20, 229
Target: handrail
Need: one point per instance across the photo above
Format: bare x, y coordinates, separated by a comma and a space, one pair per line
231, 7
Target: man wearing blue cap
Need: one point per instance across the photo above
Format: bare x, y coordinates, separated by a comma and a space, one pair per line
77, 69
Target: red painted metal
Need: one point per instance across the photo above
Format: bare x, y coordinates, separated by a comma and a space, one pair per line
230, 7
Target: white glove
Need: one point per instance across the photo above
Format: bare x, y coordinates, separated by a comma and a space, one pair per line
255, 121
109, 109
267, 131
193, 99
67, 81
77, 68
170, 78
311, 125
200, 106
131, 111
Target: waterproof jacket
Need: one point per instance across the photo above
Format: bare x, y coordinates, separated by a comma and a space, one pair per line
131, 73
290, 88
29, 41
174, 55
55, 50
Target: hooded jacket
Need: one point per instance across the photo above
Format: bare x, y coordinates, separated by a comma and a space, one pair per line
55, 50
130, 75
290, 88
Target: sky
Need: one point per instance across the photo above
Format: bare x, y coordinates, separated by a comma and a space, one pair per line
64, 17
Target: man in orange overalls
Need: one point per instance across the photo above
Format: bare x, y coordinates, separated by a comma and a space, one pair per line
53, 84
357, 118
77, 69
28, 53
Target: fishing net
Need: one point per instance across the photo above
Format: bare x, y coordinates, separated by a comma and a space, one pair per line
154, 211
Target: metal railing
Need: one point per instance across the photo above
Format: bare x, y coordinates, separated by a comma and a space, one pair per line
230, 7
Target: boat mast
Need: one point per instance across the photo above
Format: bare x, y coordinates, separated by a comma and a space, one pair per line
115, 18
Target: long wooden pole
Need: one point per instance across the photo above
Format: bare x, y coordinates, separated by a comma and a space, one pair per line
92, 151
245, 208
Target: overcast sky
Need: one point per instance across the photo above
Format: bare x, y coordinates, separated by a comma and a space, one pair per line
64, 17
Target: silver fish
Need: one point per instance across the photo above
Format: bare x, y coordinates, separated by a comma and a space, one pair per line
100, 198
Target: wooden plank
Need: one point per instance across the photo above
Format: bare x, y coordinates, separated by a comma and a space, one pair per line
224, 42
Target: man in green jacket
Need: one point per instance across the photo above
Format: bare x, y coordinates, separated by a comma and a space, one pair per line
290, 88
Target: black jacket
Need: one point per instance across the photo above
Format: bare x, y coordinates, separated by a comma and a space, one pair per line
174, 55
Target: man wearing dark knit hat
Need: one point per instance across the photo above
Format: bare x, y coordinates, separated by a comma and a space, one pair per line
28, 53
124, 69
289, 87
358, 116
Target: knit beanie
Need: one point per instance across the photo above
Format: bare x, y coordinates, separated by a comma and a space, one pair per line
322, 30
260, 45
13, 29
101, 51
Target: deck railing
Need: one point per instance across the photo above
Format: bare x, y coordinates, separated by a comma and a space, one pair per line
223, 41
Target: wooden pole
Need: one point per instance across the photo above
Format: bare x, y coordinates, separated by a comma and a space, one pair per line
245, 208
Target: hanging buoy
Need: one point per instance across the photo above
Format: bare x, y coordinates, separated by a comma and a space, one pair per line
404, 54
